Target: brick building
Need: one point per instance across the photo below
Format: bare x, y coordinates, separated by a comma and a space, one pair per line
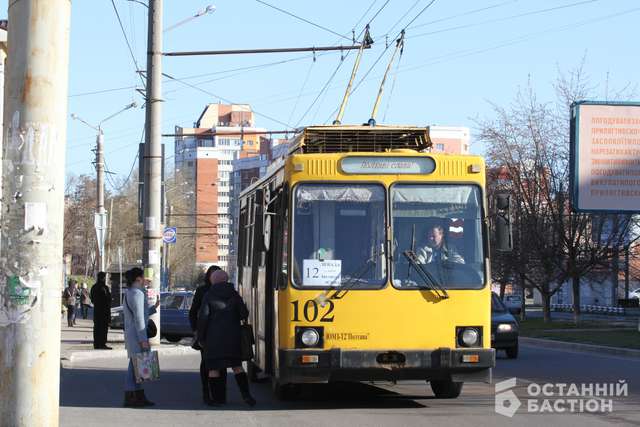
203, 159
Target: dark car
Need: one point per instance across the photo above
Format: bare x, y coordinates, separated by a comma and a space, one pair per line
117, 318
504, 328
174, 315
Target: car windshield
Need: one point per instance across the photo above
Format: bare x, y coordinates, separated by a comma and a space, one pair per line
173, 301
497, 306
441, 224
339, 236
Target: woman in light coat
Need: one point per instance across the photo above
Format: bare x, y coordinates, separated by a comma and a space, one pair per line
136, 311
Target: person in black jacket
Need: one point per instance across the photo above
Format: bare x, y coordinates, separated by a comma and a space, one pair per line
101, 299
218, 330
193, 320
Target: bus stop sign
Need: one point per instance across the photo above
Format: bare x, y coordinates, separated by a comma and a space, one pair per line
169, 235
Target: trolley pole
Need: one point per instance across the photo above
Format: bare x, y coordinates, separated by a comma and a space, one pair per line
32, 222
152, 232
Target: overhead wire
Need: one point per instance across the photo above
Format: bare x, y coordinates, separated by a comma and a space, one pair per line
335, 71
502, 19
126, 39
302, 88
303, 19
257, 113
467, 13
403, 16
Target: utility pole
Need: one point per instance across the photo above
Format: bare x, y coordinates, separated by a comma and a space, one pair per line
152, 232
101, 215
100, 218
33, 209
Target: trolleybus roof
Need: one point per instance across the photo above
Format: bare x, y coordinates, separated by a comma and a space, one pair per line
341, 139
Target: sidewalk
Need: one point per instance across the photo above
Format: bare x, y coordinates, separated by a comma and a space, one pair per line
77, 344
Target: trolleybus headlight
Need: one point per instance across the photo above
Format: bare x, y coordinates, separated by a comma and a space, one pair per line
310, 337
469, 337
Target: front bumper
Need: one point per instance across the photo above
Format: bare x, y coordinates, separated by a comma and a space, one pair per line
372, 365
503, 340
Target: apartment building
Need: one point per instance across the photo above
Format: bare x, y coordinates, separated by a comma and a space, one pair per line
204, 157
450, 139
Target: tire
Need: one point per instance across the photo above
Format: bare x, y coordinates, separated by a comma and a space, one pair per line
173, 338
512, 352
282, 392
446, 389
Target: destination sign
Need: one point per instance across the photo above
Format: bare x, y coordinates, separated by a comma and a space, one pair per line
387, 165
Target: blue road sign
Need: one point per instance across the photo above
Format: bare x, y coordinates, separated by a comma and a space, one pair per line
170, 234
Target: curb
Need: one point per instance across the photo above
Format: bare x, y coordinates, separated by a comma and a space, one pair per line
121, 353
585, 348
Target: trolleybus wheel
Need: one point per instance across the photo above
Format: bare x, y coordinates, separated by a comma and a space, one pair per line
281, 391
446, 389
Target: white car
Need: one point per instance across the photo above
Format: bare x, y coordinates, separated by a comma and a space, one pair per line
634, 294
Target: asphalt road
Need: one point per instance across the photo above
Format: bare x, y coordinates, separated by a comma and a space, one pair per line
91, 394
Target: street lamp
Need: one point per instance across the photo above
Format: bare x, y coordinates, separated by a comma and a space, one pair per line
100, 220
206, 11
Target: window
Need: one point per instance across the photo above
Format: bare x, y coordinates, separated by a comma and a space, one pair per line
339, 236
205, 143
190, 164
441, 225
440, 147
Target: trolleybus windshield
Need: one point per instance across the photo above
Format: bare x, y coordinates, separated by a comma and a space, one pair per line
442, 225
339, 236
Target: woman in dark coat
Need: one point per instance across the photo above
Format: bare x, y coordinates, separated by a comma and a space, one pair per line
218, 329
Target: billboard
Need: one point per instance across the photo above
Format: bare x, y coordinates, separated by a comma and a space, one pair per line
605, 156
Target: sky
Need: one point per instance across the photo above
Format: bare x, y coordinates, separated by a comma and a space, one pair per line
459, 57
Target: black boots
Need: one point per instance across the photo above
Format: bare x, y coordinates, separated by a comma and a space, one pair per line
131, 400
136, 399
218, 391
243, 385
143, 399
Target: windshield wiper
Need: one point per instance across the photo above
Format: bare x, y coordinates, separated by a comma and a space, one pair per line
431, 282
353, 281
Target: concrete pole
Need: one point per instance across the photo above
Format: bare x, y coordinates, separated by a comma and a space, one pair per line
32, 224
100, 211
152, 233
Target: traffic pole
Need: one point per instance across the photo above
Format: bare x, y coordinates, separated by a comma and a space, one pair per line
152, 232
31, 273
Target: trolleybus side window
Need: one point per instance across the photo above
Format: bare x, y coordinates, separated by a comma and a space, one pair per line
441, 226
339, 236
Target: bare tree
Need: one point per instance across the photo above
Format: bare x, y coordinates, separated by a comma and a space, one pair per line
530, 140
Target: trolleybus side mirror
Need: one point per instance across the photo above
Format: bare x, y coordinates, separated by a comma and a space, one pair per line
503, 235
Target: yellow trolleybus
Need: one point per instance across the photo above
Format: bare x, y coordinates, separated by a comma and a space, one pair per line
362, 256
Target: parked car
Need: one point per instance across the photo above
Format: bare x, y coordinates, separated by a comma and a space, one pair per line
117, 318
513, 303
174, 315
504, 328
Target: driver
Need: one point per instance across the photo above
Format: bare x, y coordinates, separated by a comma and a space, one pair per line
436, 249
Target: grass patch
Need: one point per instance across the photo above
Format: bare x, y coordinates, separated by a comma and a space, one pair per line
532, 326
625, 338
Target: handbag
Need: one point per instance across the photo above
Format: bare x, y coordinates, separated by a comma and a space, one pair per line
152, 329
246, 342
146, 366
